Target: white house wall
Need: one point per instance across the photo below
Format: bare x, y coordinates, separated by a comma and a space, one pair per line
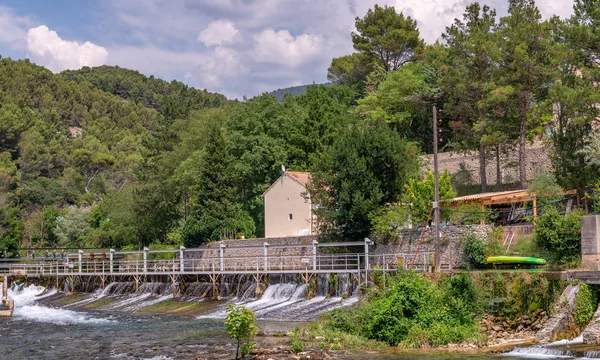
282, 199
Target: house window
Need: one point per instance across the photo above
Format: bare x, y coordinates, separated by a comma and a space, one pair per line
290, 217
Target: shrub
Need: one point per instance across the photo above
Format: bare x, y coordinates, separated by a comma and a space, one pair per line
296, 345
585, 305
559, 235
413, 311
474, 251
240, 324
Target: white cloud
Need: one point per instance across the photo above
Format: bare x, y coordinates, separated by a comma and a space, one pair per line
13, 27
46, 48
218, 33
225, 63
283, 48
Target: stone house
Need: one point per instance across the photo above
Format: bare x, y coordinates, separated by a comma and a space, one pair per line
288, 207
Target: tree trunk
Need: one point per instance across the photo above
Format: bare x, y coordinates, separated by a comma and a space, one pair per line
482, 166
523, 99
186, 204
498, 171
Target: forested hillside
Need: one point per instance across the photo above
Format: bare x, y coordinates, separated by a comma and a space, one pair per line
107, 157
172, 99
294, 91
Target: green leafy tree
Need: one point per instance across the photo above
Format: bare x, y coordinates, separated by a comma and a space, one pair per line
387, 36
419, 195
350, 69
526, 68
472, 46
366, 167
241, 326
73, 226
217, 213
559, 235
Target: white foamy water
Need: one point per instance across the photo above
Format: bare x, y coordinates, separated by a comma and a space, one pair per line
27, 308
287, 302
553, 350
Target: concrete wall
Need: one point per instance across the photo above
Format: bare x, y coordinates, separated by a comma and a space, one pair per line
281, 200
452, 254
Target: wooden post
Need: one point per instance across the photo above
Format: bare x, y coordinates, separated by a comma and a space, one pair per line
482, 221
534, 207
436, 186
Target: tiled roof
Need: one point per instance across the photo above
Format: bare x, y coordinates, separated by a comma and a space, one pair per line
302, 177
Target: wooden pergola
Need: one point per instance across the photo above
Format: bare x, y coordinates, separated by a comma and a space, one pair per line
498, 198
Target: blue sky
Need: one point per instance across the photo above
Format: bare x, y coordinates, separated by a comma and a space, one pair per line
235, 47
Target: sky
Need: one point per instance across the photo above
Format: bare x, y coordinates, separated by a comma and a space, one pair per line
234, 47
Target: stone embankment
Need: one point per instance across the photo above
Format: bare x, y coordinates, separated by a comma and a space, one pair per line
591, 334
563, 319
499, 330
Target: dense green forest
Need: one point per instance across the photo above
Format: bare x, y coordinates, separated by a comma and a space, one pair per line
293, 90
107, 157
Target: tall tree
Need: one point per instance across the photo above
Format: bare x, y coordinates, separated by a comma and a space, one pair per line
387, 36
366, 167
350, 69
471, 44
526, 66
217, 213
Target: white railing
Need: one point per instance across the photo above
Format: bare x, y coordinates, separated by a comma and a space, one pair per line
331, 263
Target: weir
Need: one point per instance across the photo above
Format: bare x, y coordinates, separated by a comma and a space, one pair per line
214, 263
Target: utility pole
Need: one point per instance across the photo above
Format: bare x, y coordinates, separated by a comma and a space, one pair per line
436, 202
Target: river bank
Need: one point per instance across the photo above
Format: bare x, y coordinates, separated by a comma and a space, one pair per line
50, 327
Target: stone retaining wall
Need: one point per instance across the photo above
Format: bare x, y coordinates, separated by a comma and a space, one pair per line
452, 254
283, 255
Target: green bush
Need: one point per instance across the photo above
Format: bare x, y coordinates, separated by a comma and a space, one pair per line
474, 250
240, 324
586, 303
513, 294
559, 235
414, 311
296, 345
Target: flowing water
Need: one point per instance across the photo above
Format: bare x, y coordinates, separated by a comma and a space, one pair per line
117, 331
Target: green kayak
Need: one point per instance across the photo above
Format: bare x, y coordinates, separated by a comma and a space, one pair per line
515, 260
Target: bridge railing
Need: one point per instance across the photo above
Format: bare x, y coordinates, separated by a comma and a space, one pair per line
335, 262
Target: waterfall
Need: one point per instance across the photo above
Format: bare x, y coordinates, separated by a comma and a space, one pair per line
323, 285
341, 288
285, 298
557, 349
27, 308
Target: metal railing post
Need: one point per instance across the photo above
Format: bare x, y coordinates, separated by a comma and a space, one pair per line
110, 259
80, 253
221, 253
367, 243
314, 250
181, 248
266, 256
146, 259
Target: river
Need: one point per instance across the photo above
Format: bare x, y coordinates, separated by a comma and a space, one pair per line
39, 331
